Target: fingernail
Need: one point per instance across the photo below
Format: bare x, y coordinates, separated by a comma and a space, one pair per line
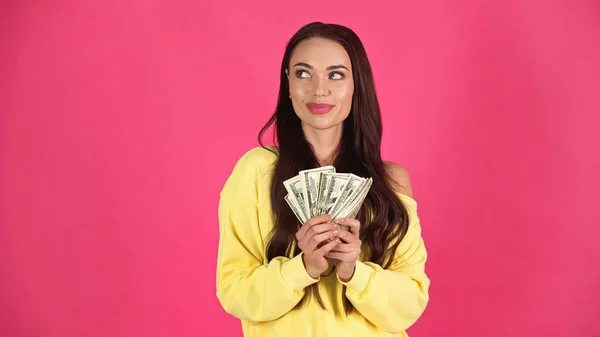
342, 220
338, 240
335, 232
336, 226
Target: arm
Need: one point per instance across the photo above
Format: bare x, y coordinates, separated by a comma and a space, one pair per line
247, 286
395, 298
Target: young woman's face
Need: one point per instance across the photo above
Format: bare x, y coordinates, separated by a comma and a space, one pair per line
321, 83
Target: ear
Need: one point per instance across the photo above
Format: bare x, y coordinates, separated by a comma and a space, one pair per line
288, 76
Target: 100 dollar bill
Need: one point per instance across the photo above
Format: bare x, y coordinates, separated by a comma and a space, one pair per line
310, 180
323, 191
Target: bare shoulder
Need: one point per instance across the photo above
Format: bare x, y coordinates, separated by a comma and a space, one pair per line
400, 179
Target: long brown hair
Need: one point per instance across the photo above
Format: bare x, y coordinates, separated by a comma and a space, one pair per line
383, 217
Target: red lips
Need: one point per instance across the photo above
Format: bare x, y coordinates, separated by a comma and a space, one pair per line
319, 108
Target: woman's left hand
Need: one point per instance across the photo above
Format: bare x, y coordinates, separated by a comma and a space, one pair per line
346, 253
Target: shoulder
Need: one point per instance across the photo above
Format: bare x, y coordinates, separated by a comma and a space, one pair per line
251, 171
399, 178
258, 157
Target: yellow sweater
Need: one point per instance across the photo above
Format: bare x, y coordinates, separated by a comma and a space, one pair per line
262, 293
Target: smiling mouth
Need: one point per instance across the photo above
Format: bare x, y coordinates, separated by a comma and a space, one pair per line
319, 108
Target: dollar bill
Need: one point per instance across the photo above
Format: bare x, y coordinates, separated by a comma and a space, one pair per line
330, 189
345, 209
324, 191
310, 182
295, 190
294, 208
353, 207
352, 186
361, 200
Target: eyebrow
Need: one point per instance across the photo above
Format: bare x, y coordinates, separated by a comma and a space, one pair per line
339, 66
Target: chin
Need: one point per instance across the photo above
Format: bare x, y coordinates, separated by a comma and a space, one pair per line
320, 122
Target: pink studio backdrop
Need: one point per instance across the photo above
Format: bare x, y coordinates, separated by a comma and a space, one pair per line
120, 121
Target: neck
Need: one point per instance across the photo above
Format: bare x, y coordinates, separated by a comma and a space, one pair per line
324, 142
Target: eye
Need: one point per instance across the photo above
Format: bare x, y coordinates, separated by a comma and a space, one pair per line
336, 76
302, 74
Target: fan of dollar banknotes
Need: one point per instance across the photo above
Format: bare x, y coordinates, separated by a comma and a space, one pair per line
324, 191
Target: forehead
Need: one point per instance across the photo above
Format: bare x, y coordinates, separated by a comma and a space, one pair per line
320, 53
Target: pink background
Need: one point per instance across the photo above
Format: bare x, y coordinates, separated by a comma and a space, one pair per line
121, 120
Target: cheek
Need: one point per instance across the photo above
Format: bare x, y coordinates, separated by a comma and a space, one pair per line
297, 90
343, 94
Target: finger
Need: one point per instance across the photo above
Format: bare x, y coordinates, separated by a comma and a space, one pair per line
303, 243
345, 248
348, 237
318, 229
352, 223
322, 228
311, 222
312, 241
345, 257
326, 248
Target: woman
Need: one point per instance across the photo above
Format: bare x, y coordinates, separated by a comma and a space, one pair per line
283, 278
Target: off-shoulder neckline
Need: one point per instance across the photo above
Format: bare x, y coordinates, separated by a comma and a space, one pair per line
400, 194
406, 197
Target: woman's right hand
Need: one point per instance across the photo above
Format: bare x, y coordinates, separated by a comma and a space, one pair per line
309, 236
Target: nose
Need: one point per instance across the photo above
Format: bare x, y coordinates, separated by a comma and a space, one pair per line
321, 88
